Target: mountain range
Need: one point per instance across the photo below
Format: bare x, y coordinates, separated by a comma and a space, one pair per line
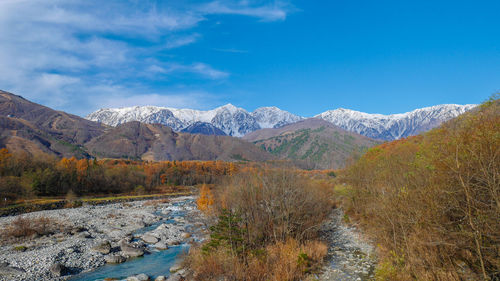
231, 120
226, 133
235, 121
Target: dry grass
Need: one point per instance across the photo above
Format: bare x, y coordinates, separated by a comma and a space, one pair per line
432, 202
156, 202
283, 261
267, 220
23, 227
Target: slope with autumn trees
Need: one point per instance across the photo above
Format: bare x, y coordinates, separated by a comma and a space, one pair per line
312, 143
432, 202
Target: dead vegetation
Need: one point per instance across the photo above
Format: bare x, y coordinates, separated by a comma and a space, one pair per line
266, 227
432, 201
24, 227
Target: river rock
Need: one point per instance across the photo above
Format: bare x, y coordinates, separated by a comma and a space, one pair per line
161, 245
148, 238
185, 235
161, 278
78, 229
103, 248
114, 258
140, 277
6, 270
84, 234
176, 267
175, 277
131, 251
117, 234
58, 269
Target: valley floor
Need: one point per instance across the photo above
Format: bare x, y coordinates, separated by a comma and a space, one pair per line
141, 225
93, 235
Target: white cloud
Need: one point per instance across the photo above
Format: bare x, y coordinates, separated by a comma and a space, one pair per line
182, 41
275, 10
71, 55
177, 100
195, 68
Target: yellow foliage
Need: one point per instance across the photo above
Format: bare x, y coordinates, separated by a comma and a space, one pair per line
206, 199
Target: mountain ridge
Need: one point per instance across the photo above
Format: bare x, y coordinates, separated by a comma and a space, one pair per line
312, 143
236, 121
38, 130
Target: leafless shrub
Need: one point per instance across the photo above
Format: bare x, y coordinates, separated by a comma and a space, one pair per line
23, 227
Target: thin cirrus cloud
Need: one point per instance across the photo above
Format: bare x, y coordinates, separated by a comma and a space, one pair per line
195, 68
71, 54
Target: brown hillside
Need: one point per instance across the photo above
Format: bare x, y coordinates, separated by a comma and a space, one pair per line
136, 140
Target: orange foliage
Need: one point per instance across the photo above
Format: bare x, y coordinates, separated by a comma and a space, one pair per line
206, 199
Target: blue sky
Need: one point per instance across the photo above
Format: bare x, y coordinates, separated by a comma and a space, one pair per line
302, 56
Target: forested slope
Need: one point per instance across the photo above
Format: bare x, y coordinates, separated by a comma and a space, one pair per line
432, 202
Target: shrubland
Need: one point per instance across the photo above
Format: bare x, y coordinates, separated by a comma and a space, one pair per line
432, 202
265, 226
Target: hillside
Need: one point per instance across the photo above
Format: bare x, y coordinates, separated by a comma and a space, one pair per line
36, 129
137, 140
313, 142
30, 127
431, 202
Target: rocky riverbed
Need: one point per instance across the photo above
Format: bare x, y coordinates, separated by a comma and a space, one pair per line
92, 236
350, 256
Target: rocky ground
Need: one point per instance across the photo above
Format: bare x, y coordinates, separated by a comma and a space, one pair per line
93, 236
350, 257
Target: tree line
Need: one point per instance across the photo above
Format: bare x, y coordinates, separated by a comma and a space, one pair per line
24, 176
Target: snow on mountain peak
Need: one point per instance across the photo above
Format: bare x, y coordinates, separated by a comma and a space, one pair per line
236, 121
273, 117
394, 126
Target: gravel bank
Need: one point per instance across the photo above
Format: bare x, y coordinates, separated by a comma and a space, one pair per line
350, 257
95, 235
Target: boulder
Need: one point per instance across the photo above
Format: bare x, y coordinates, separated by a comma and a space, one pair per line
117, 234
161, 278
140, 277
103, 248
185, 235
6, 270
131, 251
176, 267
84, 234
114, 259
148, 238
58, 269
175, 277
161, 245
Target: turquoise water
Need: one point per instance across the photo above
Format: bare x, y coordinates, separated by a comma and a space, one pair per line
153, 265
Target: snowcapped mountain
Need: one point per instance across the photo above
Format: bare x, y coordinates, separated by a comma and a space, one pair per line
232, 120
273, 117
144, 114
236, 121
395, 126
